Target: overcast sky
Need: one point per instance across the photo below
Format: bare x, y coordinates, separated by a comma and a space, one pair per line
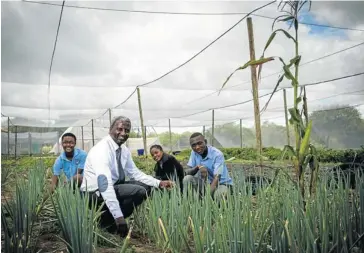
101, 56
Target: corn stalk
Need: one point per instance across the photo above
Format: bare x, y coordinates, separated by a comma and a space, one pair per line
304, 153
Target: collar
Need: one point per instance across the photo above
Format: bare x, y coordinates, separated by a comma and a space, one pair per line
209, 153
76, 151
113, 143
164, 157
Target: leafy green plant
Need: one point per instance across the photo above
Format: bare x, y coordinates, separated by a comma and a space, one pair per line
77, 218
304, 153
19, 215
271, 221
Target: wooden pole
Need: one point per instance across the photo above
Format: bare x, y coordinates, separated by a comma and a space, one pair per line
58, 151
203, 130
16, 139
110, 116
8, 137
213, 128
170, 134
92, 131
241, 133
83, 141
142, 123
30, 143
286, 116
254, 78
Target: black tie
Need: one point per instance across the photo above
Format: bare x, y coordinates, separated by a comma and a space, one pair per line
120, 167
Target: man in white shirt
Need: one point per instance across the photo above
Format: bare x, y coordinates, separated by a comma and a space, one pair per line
107, 164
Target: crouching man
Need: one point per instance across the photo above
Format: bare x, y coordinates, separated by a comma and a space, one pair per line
107, 165
71, 162
207, 166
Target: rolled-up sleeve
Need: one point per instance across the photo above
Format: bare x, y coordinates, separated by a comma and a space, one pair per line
191, 162
101, 165
134, 173
219, 164
57, 167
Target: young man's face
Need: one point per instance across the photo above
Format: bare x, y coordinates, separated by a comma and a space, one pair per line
198, 144
120, 132
68, 144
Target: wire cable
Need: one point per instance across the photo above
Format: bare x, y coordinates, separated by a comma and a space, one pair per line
267, 94
51, 65
206, 47
276, 73
188, 13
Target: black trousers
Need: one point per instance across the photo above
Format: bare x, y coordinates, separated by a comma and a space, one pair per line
130, 194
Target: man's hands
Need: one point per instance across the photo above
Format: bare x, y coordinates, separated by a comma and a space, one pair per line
203, 171
121, 226
166, 184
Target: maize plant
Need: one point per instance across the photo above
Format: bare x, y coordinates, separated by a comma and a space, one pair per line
304, 153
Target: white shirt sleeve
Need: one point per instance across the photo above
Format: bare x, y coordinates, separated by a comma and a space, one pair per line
134, 173
101, 165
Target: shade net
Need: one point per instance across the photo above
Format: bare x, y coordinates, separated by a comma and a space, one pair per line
80, 98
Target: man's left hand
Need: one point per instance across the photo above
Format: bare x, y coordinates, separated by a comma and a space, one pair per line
166, 184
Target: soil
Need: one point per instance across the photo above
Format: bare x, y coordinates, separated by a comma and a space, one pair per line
51, 243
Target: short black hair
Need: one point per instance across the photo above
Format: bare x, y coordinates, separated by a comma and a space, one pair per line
156, 146
69, 134
119, 118
196, 135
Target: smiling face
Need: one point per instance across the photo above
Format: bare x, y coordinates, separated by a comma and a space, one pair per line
198, 144
68, 144
157, 154
120, 131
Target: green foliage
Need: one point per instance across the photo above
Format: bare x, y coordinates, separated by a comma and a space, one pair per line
338, 128
77, 220
275, 154
18, 215
274, 220
145, 164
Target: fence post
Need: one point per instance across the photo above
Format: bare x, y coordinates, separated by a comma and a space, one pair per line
241, 133
213, 128
170, 134
83, 141
16, 139
8, 137
142, 123
110, 116
92, 131
30, 142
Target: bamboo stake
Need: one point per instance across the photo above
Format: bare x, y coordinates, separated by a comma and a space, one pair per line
142, 123
255, 90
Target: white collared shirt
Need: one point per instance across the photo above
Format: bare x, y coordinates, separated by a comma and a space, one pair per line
101, 161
